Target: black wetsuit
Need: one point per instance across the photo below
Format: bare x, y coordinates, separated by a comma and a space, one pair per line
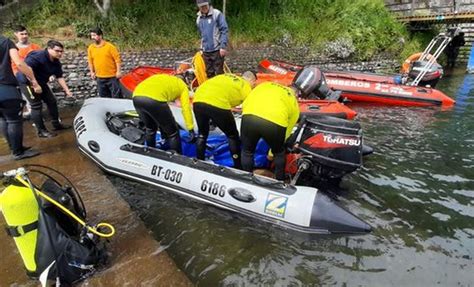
154, 115
11, 103
224, 120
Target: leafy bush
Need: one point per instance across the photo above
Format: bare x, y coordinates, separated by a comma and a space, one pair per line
365, 25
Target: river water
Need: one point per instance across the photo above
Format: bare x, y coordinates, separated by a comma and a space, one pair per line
416, 190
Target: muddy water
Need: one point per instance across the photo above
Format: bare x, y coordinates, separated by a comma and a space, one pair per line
135, 257
417, 191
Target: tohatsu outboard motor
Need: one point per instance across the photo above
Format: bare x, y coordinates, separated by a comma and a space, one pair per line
324, 148
432, 76
311, 83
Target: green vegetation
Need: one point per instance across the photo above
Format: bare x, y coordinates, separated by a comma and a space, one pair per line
143, 24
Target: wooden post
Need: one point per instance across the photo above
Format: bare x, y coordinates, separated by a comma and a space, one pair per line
223, 6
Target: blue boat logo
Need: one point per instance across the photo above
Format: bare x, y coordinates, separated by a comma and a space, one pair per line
276, 205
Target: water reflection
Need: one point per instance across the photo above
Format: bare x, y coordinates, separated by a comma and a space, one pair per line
417, 190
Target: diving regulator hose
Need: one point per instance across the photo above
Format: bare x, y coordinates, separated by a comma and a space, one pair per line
22, 178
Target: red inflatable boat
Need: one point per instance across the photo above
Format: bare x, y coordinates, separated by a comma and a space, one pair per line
364, 87
308, 107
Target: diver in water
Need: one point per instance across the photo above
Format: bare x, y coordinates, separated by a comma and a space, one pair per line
214, 100
151, 98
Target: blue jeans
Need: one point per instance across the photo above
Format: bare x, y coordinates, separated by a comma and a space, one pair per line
109, 88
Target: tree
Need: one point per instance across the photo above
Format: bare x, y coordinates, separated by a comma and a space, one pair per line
103, 8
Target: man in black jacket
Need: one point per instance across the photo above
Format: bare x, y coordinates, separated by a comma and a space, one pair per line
45, 63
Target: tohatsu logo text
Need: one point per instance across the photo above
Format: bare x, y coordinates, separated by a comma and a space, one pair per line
328, 141
340, 140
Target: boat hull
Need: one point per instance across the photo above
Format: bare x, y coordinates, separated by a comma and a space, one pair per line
291, 207
365, 87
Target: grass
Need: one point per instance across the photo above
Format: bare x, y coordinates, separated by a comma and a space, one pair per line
144, 24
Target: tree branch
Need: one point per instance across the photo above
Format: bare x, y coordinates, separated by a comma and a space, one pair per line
104, 8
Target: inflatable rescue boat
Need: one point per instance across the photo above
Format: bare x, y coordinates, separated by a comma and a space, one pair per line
366, 87
300, 208
307, 107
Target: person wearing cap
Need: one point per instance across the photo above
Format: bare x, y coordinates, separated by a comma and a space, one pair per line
213, 100
104, 65
269, 112
214, 37
151, 98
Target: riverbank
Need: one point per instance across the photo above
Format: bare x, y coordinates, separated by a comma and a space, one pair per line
365, 27
135, 257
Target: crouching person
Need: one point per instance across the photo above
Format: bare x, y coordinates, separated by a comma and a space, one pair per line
214, 100
151, 98
269, 112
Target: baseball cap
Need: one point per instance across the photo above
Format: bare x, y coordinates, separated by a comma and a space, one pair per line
201, 3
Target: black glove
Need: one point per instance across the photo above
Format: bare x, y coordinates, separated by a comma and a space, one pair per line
192, 136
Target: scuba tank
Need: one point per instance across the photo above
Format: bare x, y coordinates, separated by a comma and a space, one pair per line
49, 229
20, 209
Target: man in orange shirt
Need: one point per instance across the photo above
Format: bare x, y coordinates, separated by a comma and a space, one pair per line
23, 44
104, 65
24, 48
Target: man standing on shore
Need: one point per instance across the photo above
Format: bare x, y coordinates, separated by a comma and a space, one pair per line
24, 48
213, 28
11, 104
45, 63
104, 65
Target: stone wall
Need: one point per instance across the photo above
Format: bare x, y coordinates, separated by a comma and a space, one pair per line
77, 73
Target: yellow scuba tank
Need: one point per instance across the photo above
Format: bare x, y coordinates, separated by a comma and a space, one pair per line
20, 209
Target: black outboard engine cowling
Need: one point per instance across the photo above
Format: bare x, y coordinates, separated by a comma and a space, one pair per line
311, 83
335, 146
431, 77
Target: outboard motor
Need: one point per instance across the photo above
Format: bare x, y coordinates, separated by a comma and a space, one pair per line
311, 83
431, 77
326, 148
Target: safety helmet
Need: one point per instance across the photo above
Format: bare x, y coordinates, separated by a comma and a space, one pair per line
308, 80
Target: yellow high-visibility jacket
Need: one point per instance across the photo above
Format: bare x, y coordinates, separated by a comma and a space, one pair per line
275, 103
167, 88
223, 91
